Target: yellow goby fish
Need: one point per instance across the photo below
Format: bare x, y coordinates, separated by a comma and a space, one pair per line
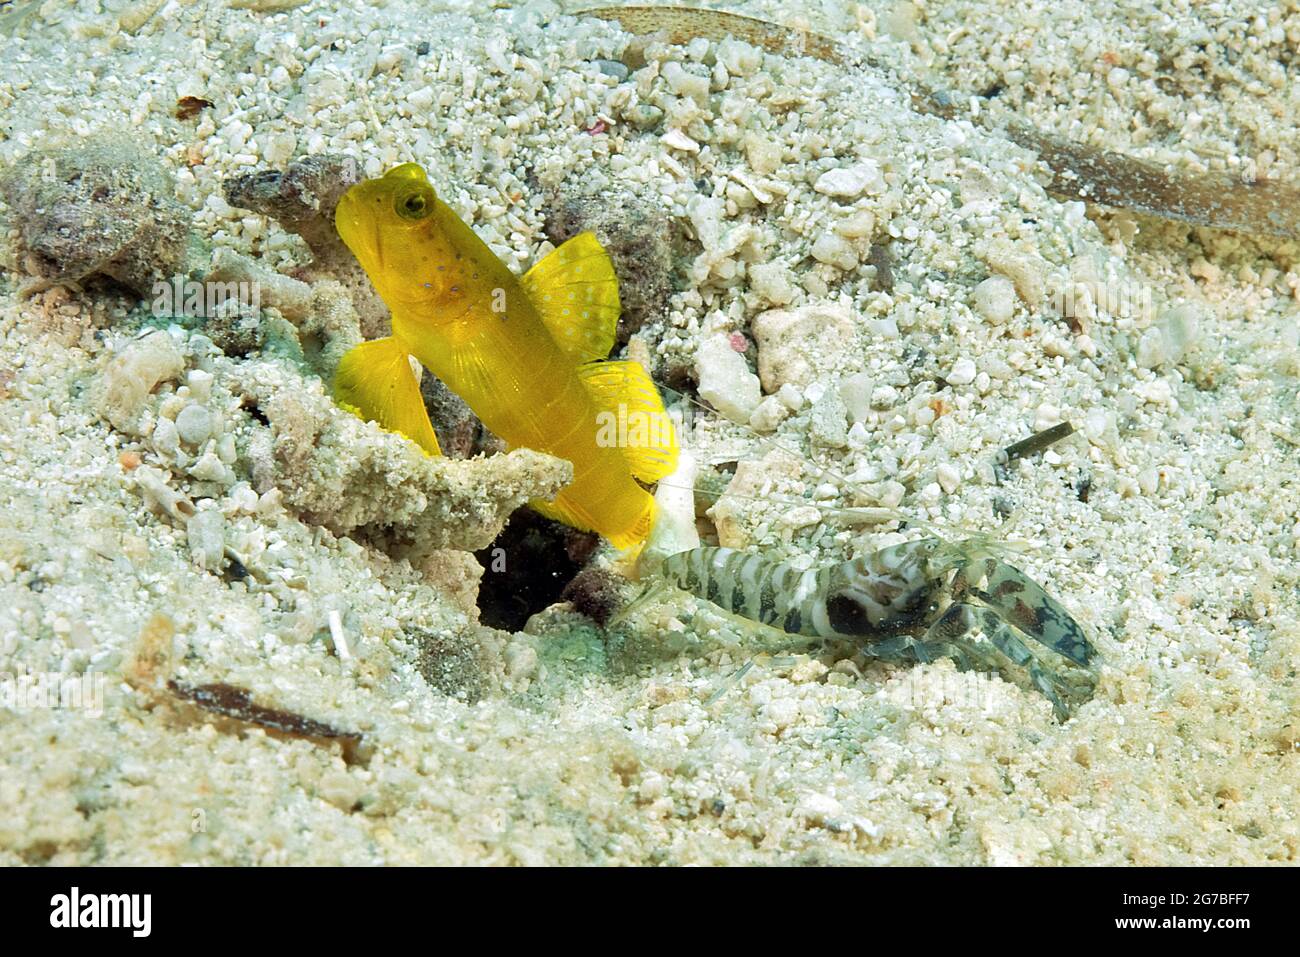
522, 351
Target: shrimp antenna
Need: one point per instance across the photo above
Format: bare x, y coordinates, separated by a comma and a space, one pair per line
866, 515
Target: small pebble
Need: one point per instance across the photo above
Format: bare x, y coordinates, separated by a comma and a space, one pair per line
1046, 416
995, 299
209, 468
962, 372
200, 383
851, 181
891, 493
856, 393
205, 532
949, 478
1181, 328
612, 68
166, 437
802, 516
194, 424
829, 424
791, 397
644, 116
835, 251
769, 414
725, 380
676, 139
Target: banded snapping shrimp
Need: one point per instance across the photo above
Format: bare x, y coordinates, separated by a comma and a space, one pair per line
911, 602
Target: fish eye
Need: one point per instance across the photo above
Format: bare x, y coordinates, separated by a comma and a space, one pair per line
413, 206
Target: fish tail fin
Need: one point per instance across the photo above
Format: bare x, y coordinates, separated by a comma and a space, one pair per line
375, 381
632, 417
636, 534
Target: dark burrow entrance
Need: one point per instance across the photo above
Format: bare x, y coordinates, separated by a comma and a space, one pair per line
527, 568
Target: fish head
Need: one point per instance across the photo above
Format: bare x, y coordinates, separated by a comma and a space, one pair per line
390, 225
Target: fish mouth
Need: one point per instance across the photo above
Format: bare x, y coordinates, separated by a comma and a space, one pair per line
358, 235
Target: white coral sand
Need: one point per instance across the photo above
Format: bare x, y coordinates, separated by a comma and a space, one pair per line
274, 543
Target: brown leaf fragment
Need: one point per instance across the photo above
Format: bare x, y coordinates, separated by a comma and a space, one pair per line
237, 704
188, 107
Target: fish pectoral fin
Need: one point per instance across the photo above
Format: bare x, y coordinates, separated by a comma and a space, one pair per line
375, 381
576, 291
632, 417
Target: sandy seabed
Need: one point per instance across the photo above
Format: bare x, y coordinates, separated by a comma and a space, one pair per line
182, 507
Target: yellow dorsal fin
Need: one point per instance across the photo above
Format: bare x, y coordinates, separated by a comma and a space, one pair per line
576, 292
375, 381
632, 417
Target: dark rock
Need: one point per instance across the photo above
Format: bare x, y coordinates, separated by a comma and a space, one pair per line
638, 238
105, 209
301, 198
596, 593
